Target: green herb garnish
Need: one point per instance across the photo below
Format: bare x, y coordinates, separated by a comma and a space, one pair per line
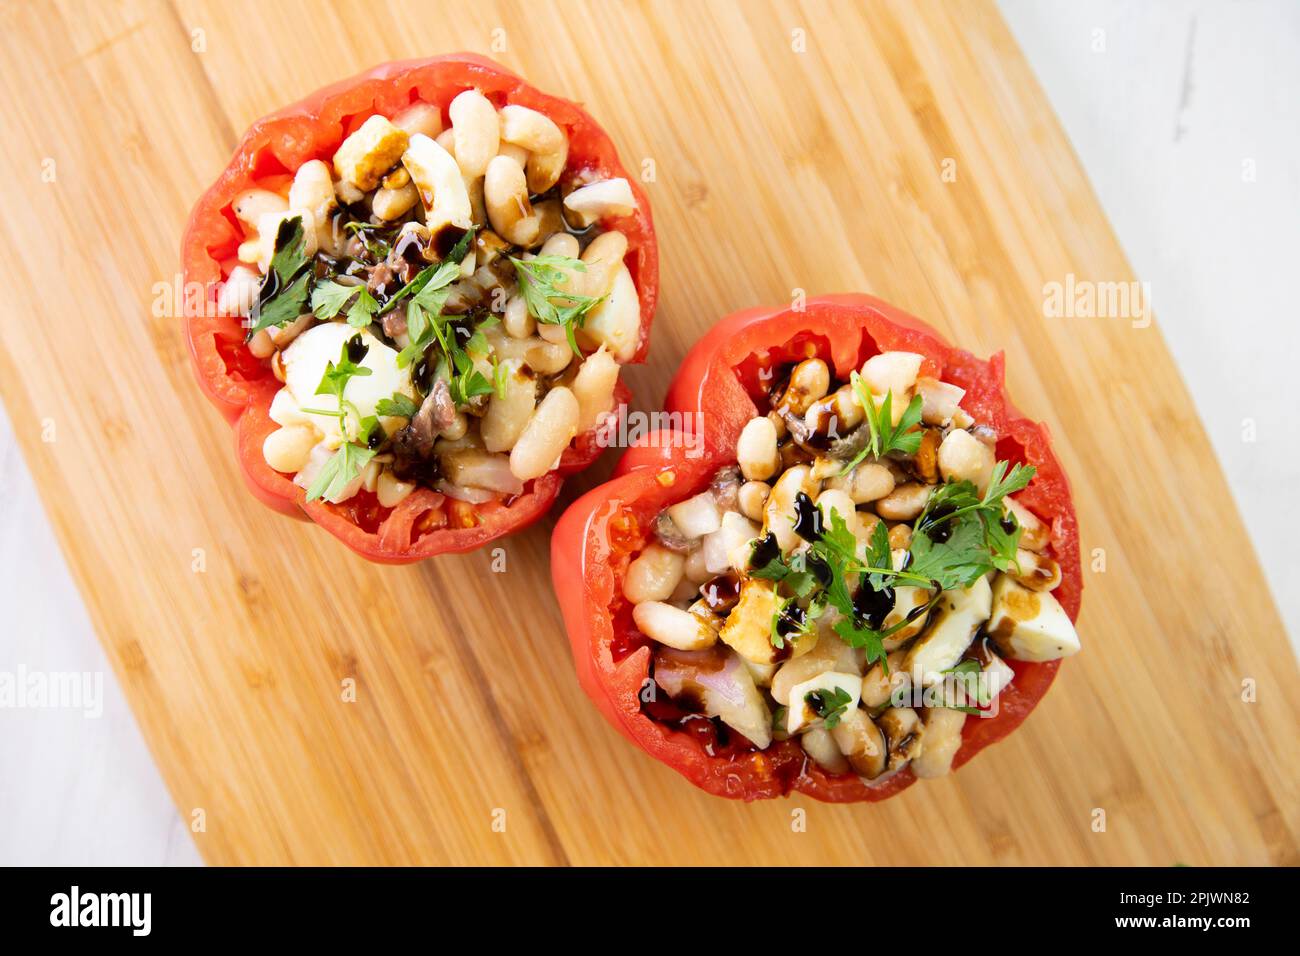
959, 537
540, 280
830, 705
399, 406
329, 297
335, 380
886, 437
283, 295
340, 471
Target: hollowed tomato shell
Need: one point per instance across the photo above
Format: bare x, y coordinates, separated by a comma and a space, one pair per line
241, 387
714, 393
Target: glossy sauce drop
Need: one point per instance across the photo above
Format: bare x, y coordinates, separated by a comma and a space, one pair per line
766, 550
808, 518
722, 592
872, 606
357, 350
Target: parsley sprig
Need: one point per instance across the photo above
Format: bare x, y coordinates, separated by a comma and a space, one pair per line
329, 297
540, 281
400, 405
340, 471
283, 295
960, 536
355, 453
335, 382
830, 705
427, 327
886, 437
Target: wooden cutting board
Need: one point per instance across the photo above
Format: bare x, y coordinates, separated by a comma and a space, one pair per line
900, 149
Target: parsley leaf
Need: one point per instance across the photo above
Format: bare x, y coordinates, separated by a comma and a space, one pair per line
329, 297
338, 374
283, 295
540, 281
830, 705
1003, 483
425, 323
290, 256
335, 380
399, 406
340, 471
886, 437
954, 561
443, 270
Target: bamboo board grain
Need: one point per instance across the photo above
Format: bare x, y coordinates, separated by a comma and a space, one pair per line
775, 170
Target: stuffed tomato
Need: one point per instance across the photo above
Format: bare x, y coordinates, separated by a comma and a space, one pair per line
865, 572
419, 287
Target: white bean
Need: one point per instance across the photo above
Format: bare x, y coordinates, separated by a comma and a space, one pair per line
548, 358
313, 191
752, 497
517, 153
673, 627
476, 132
560, 244
820, 745
867, 482
423, 118
616, 321
518, 321
838, 502
963, 457
546, 435
389, 204
391, 490
943, 728
287, 449
603, 258
593, 386
904, 503
653, 575
544, 169
252, 204
696, 516
530, 129
697, 569
507, 414
506, 192
810, 380
780, 513
609, 197
756, 451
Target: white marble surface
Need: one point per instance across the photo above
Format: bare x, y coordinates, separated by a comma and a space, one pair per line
1163, 117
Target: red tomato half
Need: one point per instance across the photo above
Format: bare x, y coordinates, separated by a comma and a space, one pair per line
596, 538
241, 387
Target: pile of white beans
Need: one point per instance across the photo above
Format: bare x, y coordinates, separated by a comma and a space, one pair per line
479, 172
709, 545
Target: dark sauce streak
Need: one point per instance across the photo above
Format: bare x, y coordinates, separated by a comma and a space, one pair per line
722, 592
872, 607
819, 569
808, 518
793, 620
938, 529
357, 350
766, 550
